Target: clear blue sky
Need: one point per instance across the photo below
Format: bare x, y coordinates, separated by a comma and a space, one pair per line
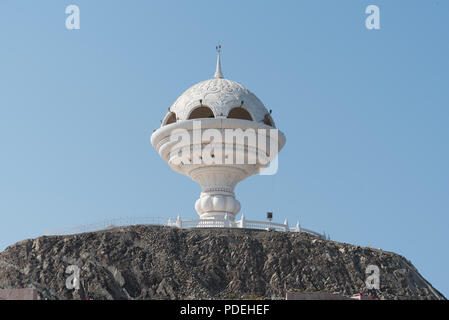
365, 114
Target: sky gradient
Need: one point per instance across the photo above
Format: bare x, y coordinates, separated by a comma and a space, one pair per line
365, 113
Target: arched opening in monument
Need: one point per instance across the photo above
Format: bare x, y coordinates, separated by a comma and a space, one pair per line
170, 118
268, 120
201, 113
240, 113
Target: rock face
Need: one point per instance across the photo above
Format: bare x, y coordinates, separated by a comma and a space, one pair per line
151, 262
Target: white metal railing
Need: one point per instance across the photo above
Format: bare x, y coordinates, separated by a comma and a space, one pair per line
242, 223
186, 224
109, 224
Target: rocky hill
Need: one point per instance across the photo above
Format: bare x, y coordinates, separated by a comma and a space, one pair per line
150, 262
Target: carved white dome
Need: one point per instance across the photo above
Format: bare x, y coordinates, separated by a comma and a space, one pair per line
220, 96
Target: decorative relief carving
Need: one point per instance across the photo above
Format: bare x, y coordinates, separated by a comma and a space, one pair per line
221, 95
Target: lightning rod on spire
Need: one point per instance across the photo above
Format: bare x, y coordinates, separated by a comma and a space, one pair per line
218, 73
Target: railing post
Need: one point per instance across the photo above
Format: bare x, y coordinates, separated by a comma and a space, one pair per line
286, 228
179, 222
242, 222
298, 227
226, 221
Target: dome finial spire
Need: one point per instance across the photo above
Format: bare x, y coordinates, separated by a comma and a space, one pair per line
218, 73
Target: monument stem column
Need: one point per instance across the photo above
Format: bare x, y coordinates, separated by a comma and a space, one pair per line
217, 197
